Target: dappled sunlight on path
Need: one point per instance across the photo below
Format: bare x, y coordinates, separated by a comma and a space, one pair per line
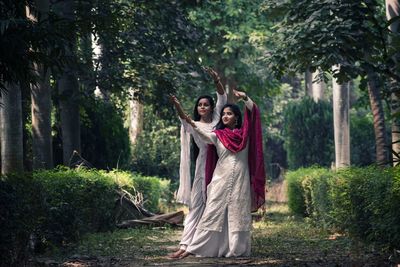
278, 239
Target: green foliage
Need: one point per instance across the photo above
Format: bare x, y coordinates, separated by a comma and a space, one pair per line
156, 151
296, 199
363, 202
24, 42
235, 35
22, 212
308, 133
146, 45
362, 140
56, 207
71, 196
156, 191
315, 185
105, 140
321, 34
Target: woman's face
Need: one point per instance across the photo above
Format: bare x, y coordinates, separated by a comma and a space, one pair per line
204, 108
228, 118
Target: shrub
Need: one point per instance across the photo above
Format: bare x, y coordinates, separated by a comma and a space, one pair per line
22, 211
57, 206
364, 202
156, 151
153, 189
78, 201
308, 133
362, 140
315, 185
103, 133
296, 198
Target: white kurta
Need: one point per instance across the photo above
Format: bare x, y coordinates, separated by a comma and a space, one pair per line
197, 194
224, 228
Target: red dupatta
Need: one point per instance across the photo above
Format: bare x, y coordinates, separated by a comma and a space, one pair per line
235, 141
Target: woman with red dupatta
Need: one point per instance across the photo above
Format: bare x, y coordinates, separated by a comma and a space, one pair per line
193, 193
236, 183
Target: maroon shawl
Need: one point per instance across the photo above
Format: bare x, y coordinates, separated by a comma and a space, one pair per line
235, 141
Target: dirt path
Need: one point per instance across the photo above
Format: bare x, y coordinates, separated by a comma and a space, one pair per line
278, 239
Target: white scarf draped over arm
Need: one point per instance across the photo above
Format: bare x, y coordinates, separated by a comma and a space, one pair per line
185, 187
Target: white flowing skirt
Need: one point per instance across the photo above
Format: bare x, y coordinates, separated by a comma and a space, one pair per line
207, 243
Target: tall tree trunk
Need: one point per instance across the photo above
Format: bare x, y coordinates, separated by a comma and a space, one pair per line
68, 89
69, 113
393, 10
314, 88
341, 123
42, 148
11, 130
135, 118
379, 119
318, 86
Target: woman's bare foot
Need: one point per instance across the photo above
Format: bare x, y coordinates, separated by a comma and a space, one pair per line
176, 254
185, 254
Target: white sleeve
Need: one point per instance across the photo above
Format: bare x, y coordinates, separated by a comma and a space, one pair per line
187, 128
184, 190
249, 103
221, 101
207, 137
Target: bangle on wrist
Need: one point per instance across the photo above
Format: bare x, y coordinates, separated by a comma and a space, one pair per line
245, 98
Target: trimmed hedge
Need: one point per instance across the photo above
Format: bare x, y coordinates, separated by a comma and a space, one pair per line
56, 207
364, 202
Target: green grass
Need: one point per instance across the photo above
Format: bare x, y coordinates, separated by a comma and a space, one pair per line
278, 239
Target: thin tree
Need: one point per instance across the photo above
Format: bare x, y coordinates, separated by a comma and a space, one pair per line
42, 148
11, 130
382, 156
68, 90
341, 95
315, 86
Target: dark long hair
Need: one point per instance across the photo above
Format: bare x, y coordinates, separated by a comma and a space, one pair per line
236, 110
196, 117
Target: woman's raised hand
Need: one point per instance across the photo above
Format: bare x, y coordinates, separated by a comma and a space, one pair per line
178, 106
214, 75
174, 100
240, 94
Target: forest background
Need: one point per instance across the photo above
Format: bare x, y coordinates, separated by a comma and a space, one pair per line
86, 83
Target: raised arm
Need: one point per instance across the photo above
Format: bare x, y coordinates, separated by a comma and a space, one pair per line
242, 96
222, 98
217, 80
181, 113
207, 137
178, 107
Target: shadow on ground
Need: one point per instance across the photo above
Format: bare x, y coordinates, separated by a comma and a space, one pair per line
278, 239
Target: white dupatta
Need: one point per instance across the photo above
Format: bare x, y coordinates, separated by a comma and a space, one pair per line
185, 186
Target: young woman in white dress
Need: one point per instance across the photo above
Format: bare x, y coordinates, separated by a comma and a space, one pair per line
207, 116
237, 186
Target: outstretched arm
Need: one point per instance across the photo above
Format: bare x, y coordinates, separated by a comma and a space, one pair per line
217, 80
243, 96
207, 137
178, 107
